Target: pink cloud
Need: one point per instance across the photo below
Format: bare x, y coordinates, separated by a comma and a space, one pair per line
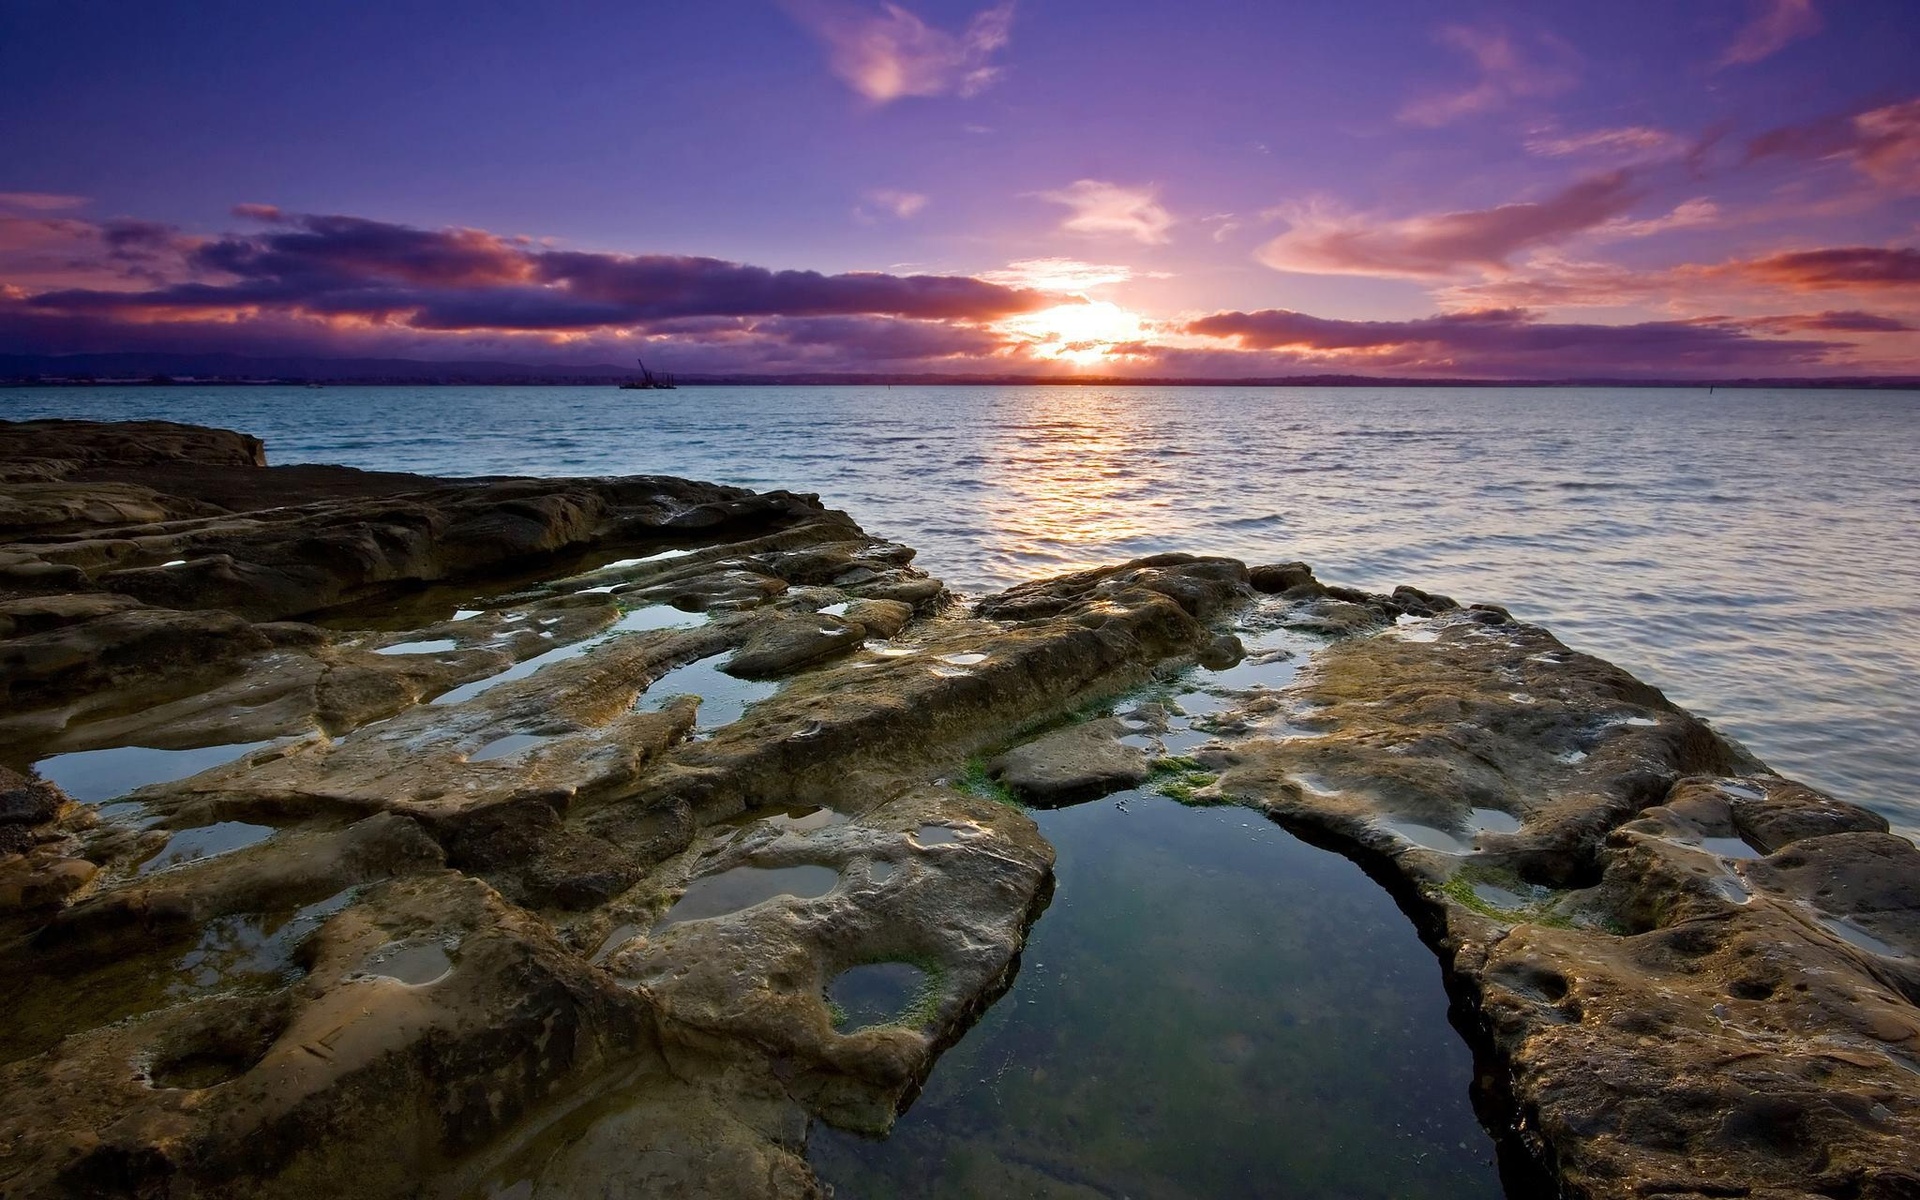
1508, 343
893, 53
1101, 209
890, 202
1851, 321
1506, 71
1442, 244
1855, 267
332, 284
1777, 25
42, 201
1882, 144
1628, 144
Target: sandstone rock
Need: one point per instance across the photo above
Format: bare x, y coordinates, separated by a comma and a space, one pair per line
1282, 577
1788, 812
880, 618
1077, 763
783, 644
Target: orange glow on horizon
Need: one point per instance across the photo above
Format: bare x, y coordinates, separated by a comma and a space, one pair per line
1082, 333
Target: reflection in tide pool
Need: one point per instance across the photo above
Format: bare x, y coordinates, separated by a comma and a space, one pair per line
739, 888
94, 775
1209, 1008
723, 698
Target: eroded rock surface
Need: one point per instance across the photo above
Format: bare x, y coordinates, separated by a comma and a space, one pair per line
1700, 976
509, 836
456, 836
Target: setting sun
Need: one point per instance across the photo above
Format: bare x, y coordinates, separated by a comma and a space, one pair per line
1081, 333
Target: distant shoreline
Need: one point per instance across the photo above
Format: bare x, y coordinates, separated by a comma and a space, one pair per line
1867, 383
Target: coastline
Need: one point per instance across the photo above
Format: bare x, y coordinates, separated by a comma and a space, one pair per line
1672, 1012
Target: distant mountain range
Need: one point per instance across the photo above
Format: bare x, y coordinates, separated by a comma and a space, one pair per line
154, 368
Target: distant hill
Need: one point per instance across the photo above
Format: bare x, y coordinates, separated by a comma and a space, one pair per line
142, 367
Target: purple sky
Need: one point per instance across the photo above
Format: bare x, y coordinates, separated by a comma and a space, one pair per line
1221, 188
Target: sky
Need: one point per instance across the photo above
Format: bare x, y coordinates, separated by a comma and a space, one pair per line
1204, 189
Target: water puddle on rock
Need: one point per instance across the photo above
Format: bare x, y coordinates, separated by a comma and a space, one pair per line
239, 952
1728, 847
502, 747
415, 962
95, 775
743, 887
1209, 1008
936, 835
723, 699
205, 841
883, 993
438, 646
1458, 840
1847, 931
249, 947
640, 620
799, 818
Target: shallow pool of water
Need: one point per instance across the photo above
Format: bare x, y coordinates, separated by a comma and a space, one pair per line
647, 619
879, 993
95, 775
205, 841
1209, 1008
741, 888
723, 699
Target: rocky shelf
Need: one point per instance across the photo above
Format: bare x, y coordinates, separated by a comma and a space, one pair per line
411, 834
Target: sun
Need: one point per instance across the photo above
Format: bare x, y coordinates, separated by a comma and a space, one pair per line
1082, 333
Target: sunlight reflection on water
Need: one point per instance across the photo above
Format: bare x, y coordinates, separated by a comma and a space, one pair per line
1749, 551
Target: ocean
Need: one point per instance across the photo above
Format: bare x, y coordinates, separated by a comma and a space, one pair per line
1752, 552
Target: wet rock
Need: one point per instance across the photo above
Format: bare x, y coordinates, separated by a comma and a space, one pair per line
1675, 1014
880, 618
782, 645
1077, 763
40, 880
1787, 812
1282, 577
93, 444
26, 802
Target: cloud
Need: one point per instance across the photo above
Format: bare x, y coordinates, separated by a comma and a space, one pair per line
1630, 144
892, 53
1882, 144
1777, 25
1830, 322
1506, 71
1442, 244
332, 284
1883, 273
1107, 209
42, 201
1510, 343
1058, 274
1857, 267
43, 252
889, 202
349, 286
1697, 213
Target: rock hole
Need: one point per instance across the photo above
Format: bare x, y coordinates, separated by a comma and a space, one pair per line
884, 993
743, 887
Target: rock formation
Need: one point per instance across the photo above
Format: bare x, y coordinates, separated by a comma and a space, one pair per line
511, 832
